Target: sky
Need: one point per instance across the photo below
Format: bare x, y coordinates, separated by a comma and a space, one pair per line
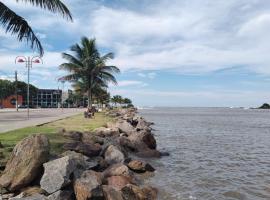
170, 52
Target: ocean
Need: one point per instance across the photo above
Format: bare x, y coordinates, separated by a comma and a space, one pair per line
215, 153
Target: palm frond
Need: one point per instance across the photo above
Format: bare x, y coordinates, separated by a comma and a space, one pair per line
71, 59
15, 24
51, 5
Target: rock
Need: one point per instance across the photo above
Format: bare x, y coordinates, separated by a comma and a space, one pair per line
25, 163
106, 132
33, 197
1, 145
133, 192
113, 155
88, 149
2, 155
264, 106
127, 144
116, 170
150, 192
74, 135
140, 142
143, 140
89, 138
143, 125
57, 174
88, 186
83, 162
61, 195
111, 194
6, 196
140, 167
30, 191
123, 126
118, 182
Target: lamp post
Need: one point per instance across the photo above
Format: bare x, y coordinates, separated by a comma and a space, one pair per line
28, 63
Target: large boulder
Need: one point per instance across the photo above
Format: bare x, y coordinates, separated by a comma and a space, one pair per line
113, 155
87, 149
90, 138
143, 140
25, 163
106, 132
111, 194
133, 192
117, 170
57, 174
123, 126
82, 161
87, 185
143, 125
139, 166
118, 182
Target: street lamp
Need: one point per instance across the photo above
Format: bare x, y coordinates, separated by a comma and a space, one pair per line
28, 63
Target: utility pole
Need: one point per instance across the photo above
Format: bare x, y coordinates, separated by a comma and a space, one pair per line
16, 89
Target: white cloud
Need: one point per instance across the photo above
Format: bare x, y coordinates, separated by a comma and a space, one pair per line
125, 83
150, 75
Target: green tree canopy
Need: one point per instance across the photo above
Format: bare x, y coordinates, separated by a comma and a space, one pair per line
87, 68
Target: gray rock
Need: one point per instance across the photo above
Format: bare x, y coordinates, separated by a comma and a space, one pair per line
82, 161
124, 126
57, 174
113, 155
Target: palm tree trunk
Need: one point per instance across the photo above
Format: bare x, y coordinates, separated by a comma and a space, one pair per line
89, 98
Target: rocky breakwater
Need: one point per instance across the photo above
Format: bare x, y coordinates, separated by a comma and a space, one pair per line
102, 164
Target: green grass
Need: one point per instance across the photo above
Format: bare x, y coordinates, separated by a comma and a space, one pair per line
77, 123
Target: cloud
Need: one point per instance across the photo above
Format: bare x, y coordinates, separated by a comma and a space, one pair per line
150, 75
125, 83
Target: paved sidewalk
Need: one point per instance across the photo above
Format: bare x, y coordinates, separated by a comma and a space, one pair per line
11, 120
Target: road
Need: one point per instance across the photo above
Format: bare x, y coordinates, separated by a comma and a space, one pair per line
11, 120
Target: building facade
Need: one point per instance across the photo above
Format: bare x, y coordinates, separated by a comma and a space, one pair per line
47, 98
10, 102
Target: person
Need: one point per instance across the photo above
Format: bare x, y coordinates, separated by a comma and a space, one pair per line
88, 113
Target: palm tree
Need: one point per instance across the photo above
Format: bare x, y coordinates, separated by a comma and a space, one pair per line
16, 24
117, 99
87, 68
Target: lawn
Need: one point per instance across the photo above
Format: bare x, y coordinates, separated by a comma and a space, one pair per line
77, 123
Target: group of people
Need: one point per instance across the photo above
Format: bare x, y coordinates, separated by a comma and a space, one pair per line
90, 112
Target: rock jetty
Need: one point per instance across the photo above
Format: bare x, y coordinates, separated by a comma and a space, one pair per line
98, 165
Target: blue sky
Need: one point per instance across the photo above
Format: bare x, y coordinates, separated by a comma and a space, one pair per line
170, 52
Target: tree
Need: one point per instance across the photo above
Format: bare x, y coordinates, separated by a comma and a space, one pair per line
87, 68
22, 90
16, 24
117, 99
6, 89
